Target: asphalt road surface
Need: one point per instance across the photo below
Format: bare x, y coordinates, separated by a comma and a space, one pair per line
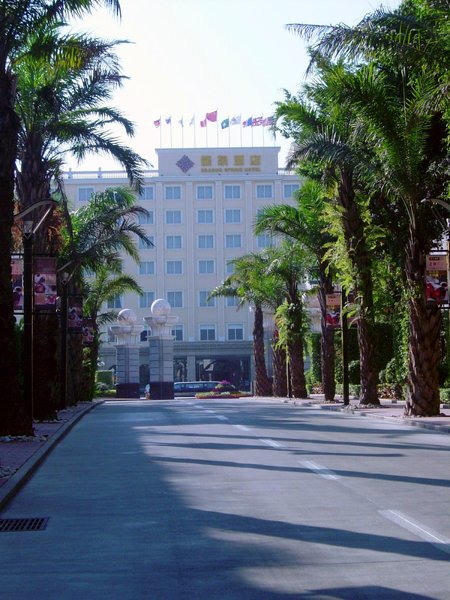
235, 499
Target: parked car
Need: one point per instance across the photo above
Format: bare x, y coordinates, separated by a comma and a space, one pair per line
190, 388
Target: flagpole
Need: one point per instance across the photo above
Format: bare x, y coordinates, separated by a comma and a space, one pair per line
182, 132
160, 132
195, 143
217, 126
171, 132
229, 132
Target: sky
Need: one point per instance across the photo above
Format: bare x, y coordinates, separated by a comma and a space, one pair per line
187, 58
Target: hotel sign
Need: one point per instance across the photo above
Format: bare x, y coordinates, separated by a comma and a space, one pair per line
235, 163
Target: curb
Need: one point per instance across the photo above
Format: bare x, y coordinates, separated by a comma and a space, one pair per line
403, 421
23, 474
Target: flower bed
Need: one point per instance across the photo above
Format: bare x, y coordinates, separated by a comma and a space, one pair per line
224, 389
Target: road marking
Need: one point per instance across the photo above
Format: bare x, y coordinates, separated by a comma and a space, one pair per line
418, 529
212, 412
322, 471
271, 443
221, 417
242, 427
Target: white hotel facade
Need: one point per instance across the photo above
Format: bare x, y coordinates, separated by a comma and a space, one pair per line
202, 205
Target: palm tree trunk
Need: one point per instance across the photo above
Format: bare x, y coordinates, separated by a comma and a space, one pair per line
279, 371
424, 351
15, 419
327, 354
297, 367
262, 383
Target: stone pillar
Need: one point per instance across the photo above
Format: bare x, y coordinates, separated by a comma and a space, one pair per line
161, 350
127, 355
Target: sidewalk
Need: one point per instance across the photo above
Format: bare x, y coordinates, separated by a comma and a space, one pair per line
20, 457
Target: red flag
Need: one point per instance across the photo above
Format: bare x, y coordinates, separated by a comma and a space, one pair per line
212, 116
157, 123
203, 123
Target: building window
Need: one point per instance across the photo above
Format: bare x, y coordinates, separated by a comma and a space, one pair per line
232, 215
233, 240
207, 333
177, 332
206, 241
172, 192
115, 302
204, 192
173, 242
173, 217
264, 240
144, 245
146, 299
289, 189
147, 267
85, 193
229, 267
232, 192
147, 193
145, 334
235, 333
232, 301
174, 267
203, 299
146, 219
175, 299
264, 191
205, 266
205, 216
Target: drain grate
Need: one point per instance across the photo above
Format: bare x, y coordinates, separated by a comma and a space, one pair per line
35, 524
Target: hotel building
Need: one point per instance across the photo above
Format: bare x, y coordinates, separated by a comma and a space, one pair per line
202, 204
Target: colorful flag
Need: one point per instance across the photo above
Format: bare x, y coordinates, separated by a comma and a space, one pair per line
180, 122
169, 120
257, 121
203, 123
268, 122
157, 123
225, 123
236, 120
212, 116
248, 122
192, 121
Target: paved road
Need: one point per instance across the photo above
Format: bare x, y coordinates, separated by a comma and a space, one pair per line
201, 500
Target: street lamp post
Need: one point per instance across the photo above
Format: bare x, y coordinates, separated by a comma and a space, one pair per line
63, 325
27, 241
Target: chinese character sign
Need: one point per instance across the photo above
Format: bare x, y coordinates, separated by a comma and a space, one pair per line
334, 310
436, 279
44, 282
17, 282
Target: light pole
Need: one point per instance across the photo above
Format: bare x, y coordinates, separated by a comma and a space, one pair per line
63, 324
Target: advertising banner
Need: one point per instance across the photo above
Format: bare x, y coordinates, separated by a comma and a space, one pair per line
44, 282
17, 282
88, 332
334, 310
436, 280
75, 314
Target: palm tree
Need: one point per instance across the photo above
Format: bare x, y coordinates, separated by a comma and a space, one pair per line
322, 128
97, 234
304, 223
250, 283
61, 109
401, 96
17, 20
106, 284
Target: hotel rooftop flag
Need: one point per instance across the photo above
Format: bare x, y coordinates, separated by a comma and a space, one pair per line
192, 121
203, 123
212, 116
236, 120
256, 121
169, 120
225, 123
248, 122
180, 122
268, 122
157, 123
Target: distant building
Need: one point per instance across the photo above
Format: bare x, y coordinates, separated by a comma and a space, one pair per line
202, 205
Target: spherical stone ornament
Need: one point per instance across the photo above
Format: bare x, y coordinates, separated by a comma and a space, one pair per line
160, 308
127, 317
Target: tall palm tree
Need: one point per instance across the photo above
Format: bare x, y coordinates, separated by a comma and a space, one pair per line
251, 284
304, 223
17, 20
107, 284
403, 99
61, 106
322, 129
97, 234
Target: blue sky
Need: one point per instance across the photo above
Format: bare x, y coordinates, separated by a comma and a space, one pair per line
190, 57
